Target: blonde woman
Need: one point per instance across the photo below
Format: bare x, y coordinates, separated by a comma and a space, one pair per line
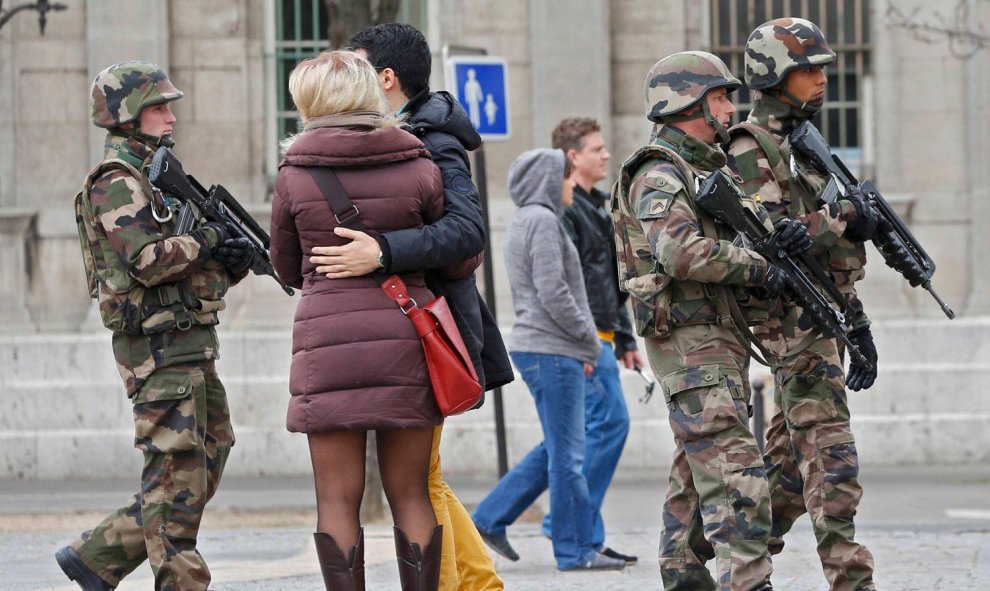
357, 363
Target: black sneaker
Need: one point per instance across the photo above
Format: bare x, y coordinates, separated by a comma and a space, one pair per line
619, 556
500, 544
599, 561
74, 568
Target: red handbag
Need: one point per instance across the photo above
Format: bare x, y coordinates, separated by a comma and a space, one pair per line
455, 383
452, 375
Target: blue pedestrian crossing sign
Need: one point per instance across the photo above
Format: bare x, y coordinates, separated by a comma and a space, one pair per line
481, 84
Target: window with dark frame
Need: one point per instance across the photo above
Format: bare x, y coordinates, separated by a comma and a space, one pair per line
300, 33
846, 24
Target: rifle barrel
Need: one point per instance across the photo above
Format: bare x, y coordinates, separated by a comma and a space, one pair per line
945, 307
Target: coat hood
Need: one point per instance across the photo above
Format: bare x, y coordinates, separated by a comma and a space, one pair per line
346, 147
439, 111
536, 177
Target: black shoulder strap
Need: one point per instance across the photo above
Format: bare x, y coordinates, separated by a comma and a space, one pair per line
344, 211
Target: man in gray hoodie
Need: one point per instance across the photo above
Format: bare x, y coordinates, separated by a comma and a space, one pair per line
554, 345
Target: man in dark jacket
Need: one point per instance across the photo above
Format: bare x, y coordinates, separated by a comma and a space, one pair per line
589, 225
402, 57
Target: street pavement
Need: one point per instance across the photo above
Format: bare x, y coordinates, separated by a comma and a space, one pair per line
927, 526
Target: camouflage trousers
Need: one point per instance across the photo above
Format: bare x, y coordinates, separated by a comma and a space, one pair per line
812, 464
718, 503
182, 424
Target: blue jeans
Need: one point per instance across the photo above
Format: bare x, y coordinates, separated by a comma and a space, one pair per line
557, 384
606, 427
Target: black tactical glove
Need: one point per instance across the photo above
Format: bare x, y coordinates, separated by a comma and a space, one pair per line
791, 236
774, 281
865, 224
236, 254
859, 378
221, 232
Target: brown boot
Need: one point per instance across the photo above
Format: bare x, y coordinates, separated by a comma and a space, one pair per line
341, 573
419, 570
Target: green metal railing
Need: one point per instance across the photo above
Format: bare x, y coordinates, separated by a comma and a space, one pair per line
301, 32
295, 40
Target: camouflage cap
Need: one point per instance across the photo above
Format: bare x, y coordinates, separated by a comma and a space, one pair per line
122, 90
781, 45
678, 82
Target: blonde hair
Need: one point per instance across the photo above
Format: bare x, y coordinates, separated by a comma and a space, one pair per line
337, 82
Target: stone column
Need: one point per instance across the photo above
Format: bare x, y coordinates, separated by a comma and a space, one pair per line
16, 227
978, 126
570, 45
8, 170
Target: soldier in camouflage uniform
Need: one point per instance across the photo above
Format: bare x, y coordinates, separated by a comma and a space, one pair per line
160, 294
811, 458
680, 268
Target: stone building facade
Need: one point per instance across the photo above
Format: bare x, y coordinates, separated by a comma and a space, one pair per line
923, 121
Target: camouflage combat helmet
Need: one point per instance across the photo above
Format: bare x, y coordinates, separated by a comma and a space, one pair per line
677, 82
122, 90
781, 45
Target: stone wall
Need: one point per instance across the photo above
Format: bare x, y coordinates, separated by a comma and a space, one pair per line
926, 143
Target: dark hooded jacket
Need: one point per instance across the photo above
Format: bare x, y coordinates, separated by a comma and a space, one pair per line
589, 225
440, 122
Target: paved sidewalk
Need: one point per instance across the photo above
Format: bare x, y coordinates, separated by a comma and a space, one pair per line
928, 527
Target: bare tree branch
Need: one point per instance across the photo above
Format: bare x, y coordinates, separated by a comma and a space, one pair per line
964, 37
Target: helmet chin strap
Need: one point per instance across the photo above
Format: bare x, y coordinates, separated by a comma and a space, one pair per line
155, 140
162, 140
803, 109
721, 133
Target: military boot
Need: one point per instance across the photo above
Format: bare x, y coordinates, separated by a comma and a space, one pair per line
419, 570
74, 568
340, 572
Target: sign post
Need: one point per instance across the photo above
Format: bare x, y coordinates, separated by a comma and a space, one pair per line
480, 83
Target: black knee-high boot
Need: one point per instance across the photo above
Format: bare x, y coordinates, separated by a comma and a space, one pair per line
340, 572
419, 569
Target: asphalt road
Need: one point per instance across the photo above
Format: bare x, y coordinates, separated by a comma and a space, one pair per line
928, 528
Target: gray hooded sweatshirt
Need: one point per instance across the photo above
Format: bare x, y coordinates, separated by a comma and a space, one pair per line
552, 313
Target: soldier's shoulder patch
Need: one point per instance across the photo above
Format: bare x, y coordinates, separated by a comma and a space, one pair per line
664, 181
656, 192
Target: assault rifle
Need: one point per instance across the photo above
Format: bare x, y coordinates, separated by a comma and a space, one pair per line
720, 198
215, 204
898, 246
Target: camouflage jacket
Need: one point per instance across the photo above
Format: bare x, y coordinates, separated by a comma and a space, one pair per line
666, 262
788, 187
158, 293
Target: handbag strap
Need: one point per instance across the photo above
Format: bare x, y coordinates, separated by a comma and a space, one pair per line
345, 212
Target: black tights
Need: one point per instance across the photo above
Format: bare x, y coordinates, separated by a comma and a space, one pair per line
338, 469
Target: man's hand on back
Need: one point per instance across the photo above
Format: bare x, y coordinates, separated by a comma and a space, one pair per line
354, 259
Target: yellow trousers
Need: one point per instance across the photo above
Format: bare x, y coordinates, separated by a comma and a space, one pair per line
465, 564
